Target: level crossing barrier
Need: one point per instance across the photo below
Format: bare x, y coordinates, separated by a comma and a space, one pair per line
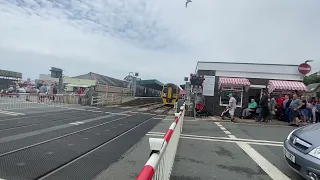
163, 151
34, 100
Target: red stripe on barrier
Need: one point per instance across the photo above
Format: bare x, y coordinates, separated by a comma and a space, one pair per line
146, 173
176, 119
168, 135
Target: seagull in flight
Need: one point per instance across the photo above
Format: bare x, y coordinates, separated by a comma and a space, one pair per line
187, 3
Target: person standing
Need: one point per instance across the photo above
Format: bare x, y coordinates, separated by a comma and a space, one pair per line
295, 106
232, 106
264, 104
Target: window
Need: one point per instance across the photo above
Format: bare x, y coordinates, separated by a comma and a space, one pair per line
237, 93
165, 89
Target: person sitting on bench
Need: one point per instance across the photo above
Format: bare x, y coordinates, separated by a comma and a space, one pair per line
251, 107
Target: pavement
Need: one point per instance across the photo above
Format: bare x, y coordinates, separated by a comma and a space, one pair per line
68, 142
211, 150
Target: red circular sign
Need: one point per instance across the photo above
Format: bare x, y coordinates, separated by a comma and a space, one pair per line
304, 68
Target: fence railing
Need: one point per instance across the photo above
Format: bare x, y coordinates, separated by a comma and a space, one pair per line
97, 100
34, 100
163, 151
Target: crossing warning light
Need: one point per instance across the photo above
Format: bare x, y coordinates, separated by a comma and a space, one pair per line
196, 80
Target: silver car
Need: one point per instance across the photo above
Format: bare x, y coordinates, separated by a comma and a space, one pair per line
302, 151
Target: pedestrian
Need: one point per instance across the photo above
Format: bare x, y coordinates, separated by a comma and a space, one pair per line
232, 106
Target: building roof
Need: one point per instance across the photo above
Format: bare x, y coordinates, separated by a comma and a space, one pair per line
101, 79
151, 83
312, 87
13, 74
250, 63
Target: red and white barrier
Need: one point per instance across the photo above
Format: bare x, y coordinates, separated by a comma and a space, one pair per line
34, 100
163, 151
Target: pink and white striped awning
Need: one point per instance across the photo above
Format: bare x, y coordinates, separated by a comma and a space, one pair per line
286, 85
182, 92
223, 81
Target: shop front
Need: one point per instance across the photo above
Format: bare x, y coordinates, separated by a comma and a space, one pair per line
246, 81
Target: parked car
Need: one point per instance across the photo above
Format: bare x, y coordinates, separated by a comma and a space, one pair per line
302, 151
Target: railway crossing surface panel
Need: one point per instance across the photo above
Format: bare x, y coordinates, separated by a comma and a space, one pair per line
68, 142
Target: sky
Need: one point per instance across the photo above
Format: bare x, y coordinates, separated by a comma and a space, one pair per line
160, 39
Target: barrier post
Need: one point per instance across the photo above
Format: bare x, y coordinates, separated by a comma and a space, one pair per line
163, 151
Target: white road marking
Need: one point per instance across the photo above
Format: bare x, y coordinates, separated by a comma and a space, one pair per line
268, 167
231, 137
219, 140
77, 123
118, 113
125, 107
78, 109
222, 128
227, 132
11, 113
157, 118
95, 111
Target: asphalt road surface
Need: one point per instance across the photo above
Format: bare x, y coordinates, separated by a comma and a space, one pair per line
230, 151
67, 143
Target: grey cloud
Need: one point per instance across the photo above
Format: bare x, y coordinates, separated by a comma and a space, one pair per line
129, 20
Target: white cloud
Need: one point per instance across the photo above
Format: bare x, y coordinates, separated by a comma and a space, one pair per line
161, 39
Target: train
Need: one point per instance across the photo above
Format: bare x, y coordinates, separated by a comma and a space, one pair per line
170, 94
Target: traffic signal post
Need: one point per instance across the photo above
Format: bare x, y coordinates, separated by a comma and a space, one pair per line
196, 82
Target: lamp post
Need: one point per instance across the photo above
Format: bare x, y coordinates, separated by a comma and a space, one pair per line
308, 61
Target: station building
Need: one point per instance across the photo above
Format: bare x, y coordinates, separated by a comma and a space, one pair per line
145, 88
246, 81
9, 78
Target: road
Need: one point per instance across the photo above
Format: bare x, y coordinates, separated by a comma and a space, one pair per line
67, 143
229, 151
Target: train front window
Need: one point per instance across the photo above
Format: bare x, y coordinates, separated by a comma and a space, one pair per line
174, 91
165, 90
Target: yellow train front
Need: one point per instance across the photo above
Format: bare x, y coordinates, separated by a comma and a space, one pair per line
170, 94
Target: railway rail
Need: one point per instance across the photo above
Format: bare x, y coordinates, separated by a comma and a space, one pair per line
72, 145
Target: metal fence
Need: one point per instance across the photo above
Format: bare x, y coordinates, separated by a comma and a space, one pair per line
35, 100
163, 151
